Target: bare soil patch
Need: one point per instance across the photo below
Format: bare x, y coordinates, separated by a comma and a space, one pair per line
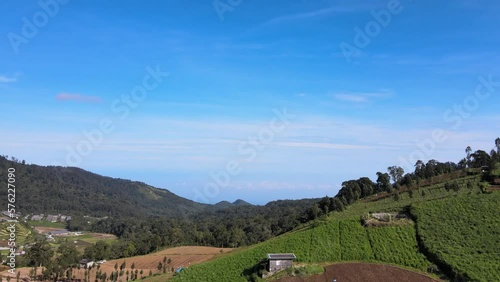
102, 236
180, 257
45, 230
356, 272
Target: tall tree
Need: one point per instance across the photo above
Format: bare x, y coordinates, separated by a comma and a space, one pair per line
468, 151
68, 255
383, 182
497, 144
396, 173
366, 186
40, 253
419, 169
480, 158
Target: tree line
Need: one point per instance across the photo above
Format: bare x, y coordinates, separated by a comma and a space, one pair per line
353, 190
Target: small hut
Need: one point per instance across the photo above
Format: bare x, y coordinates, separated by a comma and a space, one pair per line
277, 262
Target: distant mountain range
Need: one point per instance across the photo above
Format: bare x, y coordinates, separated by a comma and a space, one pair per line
226, 204
74, 191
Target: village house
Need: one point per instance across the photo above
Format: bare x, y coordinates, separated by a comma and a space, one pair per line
52, 218
86, 263
277, 262
62, 232
37, 217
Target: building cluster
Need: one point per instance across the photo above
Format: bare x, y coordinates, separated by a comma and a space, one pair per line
51, 217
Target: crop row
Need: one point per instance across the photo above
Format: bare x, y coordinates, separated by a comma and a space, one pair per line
462, 234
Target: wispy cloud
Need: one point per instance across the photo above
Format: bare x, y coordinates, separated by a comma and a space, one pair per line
7, 79
358, 97
344, 7
78, 98
308, 15
320, 145
241, 46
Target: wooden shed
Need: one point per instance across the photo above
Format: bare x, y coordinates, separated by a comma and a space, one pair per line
277, 262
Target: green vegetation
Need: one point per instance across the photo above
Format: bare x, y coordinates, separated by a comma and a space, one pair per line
145, 217
341, 237
74, 191
329, 241
354, 242
460, 240
47, 224
397, 245
22, 233
299, 271
462, 233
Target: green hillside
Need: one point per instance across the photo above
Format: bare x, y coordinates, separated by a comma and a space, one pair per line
342, 237
332, 241
463, 235
74, 191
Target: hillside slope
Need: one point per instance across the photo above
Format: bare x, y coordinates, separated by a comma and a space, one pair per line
74, 191
342, 237
462, 234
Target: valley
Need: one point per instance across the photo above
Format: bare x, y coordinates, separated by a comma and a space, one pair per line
413, 228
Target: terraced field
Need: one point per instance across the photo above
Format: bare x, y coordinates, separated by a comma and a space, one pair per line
21, 232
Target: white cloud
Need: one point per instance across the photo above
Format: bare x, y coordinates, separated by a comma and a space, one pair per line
360, 97
8, 79
341, 7
77, 97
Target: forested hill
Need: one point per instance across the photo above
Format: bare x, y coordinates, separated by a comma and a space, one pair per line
74, 191
165, 219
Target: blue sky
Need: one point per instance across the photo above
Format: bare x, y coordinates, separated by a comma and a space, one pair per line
419, 71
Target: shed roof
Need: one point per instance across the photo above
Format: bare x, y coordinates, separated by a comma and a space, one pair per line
59, 232
85, 261
281, 256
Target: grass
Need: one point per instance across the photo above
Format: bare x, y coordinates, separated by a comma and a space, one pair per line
82, 241
59, 225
